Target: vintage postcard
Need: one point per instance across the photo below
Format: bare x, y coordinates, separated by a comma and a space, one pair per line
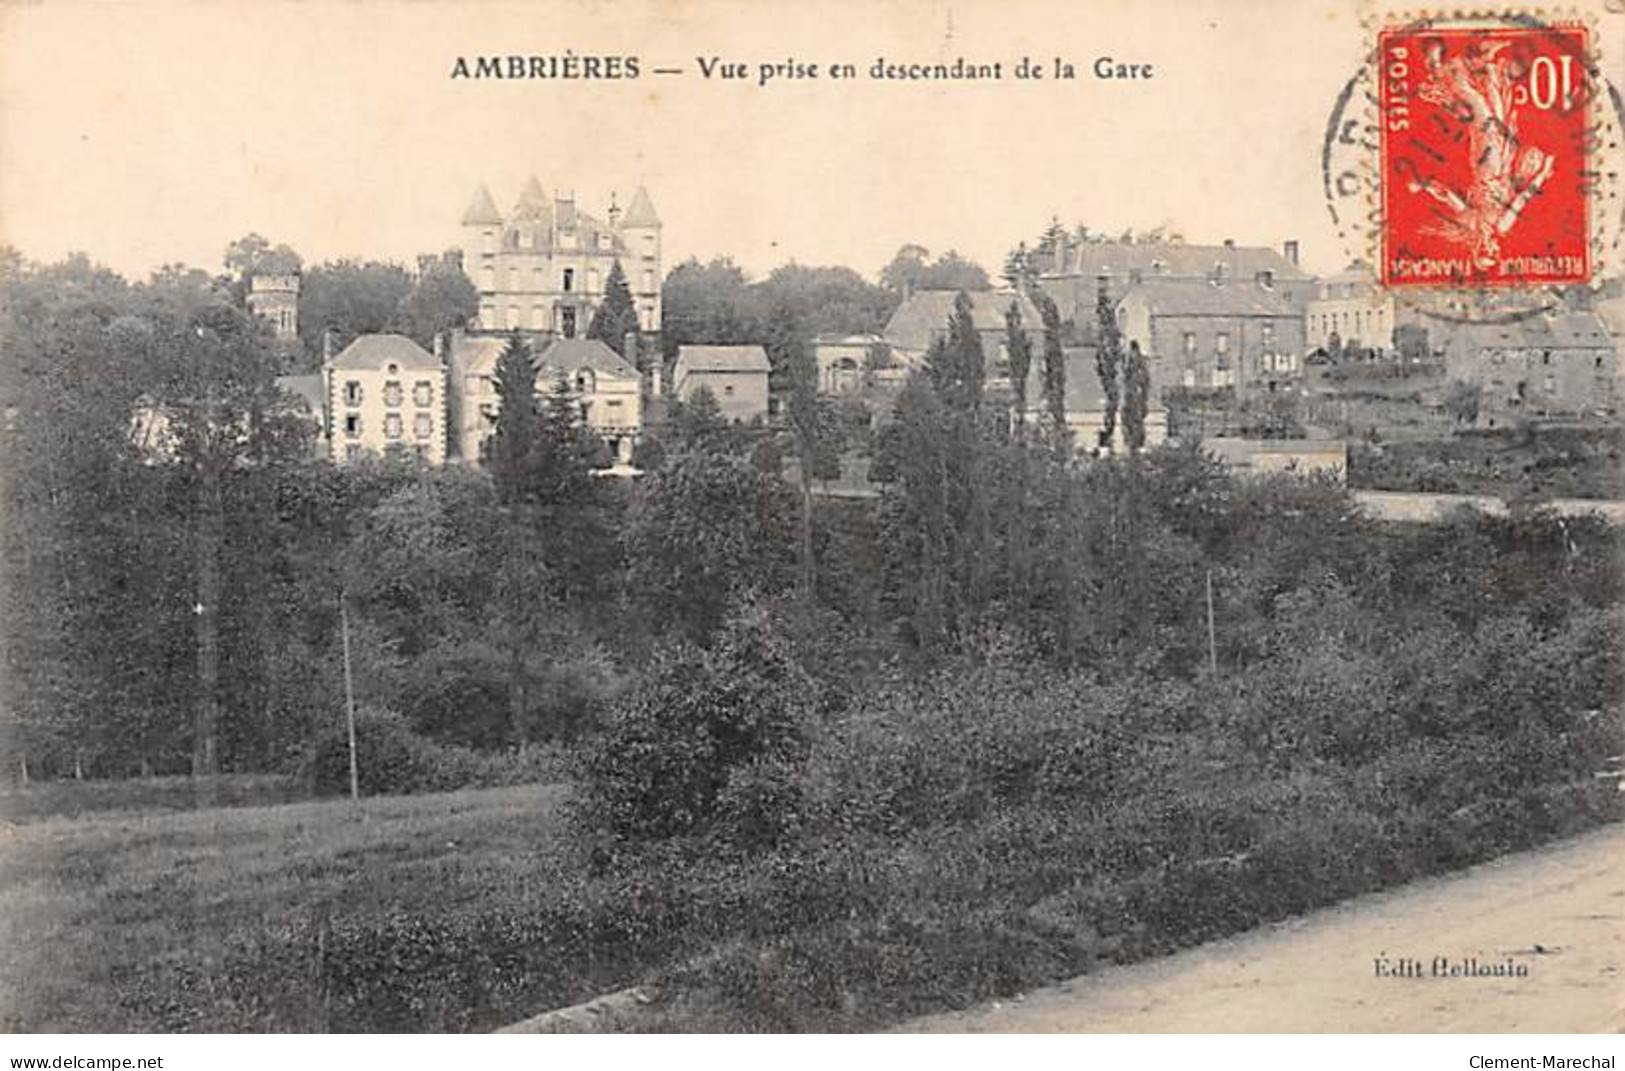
817, 517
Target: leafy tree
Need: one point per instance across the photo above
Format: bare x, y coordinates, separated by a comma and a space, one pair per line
253, 254
957, 368
1462, 400
910, 270
352, 298
617, 316
706, 304
1108, 356
441, 299
703, 529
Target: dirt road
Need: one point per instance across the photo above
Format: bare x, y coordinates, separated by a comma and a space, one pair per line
1553, 919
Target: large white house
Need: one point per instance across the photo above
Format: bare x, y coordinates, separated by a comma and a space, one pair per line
386, 394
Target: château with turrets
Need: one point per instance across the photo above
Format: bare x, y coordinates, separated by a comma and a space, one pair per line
544, 266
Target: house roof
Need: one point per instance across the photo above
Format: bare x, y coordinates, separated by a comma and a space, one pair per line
570, 354
925, 314
481, 208
478, 355
1562, 330
641, 212
308, 389
1176, 259
720, 359
376, 351
1199, 297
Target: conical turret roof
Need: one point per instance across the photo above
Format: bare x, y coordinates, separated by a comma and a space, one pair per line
532, 203
481, 209
641, 212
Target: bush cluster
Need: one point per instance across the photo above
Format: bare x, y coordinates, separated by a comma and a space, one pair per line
393, 759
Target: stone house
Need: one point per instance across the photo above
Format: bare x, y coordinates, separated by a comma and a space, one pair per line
385, 394
1203, 334
735, 375
1541, 366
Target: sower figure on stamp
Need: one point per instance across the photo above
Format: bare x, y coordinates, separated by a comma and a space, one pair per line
1478, 88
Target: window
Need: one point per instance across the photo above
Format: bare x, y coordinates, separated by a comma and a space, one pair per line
392, 393
1190, 377
490, 240
1549, 384
1546, 357
648, 282
422, 426
1221, 344
422, 393
392, 426
603, 240
490, 274
352, 392
569, 279
648, 245
586, 382
567, 322
538, 317
421, 451
513, 316
613, 403
1189, 343
352, 425
1596, 362
728, 390
592, 280
352, 452
1266, 335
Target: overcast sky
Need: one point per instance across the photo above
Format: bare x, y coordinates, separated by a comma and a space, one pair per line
157, 132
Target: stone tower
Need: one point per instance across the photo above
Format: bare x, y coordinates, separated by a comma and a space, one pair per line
276, 297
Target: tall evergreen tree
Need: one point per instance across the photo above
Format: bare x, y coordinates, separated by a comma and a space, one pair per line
1019, 346
1108, 356
1136, 397
957, 368
617, 316
1054, 381
513, 442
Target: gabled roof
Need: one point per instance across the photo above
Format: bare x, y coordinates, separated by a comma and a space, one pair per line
481, 209
570, 354
376, 351
720, 359
641, 212
1198, 297
1177, 260
478, 355
925, 315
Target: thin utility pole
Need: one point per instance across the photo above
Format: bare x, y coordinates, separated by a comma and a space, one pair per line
349, 695
1212, 636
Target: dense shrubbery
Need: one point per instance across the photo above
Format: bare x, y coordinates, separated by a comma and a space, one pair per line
1550, 462
393, 759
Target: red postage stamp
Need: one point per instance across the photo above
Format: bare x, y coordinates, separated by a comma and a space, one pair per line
1483, 166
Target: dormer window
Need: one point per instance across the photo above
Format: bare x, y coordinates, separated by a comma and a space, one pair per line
586, 383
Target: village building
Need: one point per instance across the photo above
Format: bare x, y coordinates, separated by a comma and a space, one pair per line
922, 319
842, 361
385, 394
1203, 334
606, 387
1073, 273
545, 265
1351, 310
1540, 366
1086, 406
735, 375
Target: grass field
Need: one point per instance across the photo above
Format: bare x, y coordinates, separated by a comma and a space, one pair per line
91, 905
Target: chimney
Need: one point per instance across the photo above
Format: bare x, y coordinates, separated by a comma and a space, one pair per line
328, 342
1230, 243
629, 348
1289, 250
440, 347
